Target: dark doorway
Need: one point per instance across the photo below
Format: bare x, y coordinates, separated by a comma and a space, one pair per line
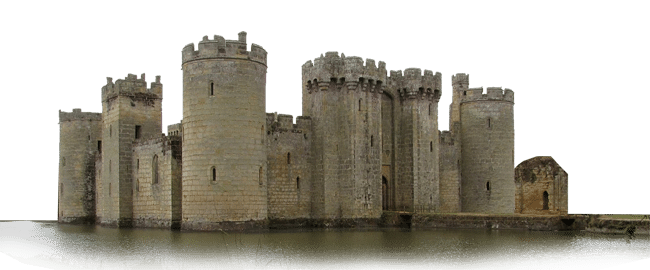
545, 206
384, 193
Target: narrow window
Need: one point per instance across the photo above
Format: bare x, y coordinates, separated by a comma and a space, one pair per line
261, 176
110, 189
297, 182
63, 162
214, 174
464, 93
431, 146
262, 134
137, 165
137, 185
61, 189
154, 169
487, 185
99, 146
110, 164
110, 131
138, 132
429, 108
372, 139
489, 122
288, 158
212, 88
359, 104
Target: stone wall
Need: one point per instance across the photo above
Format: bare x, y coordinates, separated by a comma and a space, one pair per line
289, 174
450, 188
80, 134
541, 187
157, 182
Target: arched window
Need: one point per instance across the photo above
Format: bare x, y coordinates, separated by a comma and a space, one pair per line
213, 172
288, 158
154, 169
211, 88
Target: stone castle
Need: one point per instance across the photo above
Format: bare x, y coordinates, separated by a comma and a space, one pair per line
368, 142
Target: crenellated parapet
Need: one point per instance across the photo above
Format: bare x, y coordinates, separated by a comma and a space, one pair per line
460, 81
493, 94
78, 115
218, 47
331, 72
413, 84
284, 123
133, 87
175, 129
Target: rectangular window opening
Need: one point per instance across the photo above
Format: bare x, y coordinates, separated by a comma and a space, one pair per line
138, 132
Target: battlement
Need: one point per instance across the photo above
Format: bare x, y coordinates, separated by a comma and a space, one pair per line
132, 86
218, 47
493, 93
331, 72
175, 129
78, 115
460, 81
284, 122
414, 84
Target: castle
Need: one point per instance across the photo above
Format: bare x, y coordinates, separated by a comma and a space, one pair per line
368, 142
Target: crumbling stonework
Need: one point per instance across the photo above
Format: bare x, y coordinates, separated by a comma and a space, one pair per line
542, 187
368, 143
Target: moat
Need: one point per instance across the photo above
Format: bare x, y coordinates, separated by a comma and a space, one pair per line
61, 246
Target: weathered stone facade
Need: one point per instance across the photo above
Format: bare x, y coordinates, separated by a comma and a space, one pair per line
542, 187
367, 143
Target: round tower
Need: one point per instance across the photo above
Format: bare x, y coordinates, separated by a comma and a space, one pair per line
487, 141
80, 137
224, 158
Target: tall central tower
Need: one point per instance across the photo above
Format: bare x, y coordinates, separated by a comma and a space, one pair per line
224, 158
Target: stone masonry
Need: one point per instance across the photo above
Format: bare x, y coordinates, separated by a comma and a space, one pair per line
368, 142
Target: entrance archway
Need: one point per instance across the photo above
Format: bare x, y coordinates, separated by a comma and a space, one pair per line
545, 206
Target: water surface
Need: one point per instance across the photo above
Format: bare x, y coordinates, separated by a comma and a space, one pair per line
60, 246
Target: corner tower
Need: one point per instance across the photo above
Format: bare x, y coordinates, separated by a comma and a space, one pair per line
343, 98
79, 145
487, 141
418, 175
224, 118
130, 111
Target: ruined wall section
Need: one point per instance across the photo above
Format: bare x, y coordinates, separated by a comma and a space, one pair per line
487, 139
541, 187
450, 186
80, 133
130, 110
418, 174
289, 174
343, 99
157, 182
224, 118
